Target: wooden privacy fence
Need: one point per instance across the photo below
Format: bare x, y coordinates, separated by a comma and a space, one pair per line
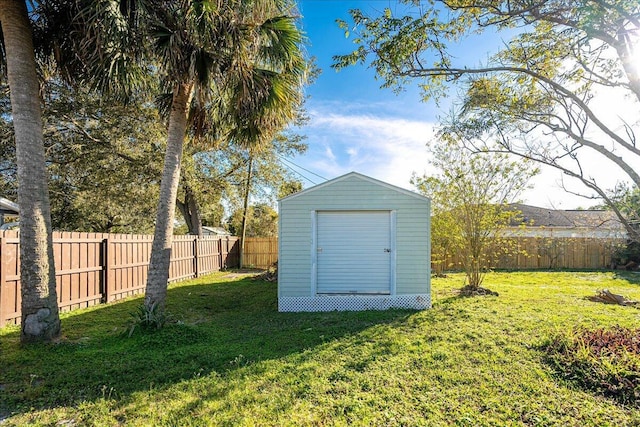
513, 253
260, 252
520, 253
93, 268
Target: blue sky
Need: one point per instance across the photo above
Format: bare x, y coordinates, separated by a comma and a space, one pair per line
356, 126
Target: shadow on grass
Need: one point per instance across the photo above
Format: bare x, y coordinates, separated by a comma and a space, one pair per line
217, 327
630, 276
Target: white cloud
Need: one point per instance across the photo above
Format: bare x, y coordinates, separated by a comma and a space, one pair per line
376, 141
329, 154
386, 148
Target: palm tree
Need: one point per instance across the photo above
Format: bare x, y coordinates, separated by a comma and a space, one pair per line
40, 319
258, 81
234, 68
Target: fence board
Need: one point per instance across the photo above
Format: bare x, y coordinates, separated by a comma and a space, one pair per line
260, 252
530, 253
9, 278
94, 268
545, 253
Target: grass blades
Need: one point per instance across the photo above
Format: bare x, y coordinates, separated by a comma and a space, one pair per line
229, 358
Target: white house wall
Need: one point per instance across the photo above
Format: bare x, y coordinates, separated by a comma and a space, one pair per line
563, 232
354, 192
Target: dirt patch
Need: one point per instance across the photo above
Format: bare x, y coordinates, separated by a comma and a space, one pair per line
237, 274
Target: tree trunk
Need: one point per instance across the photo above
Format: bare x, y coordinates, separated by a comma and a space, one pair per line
157, 279
40, 318
245, 209
191, 211
628, 54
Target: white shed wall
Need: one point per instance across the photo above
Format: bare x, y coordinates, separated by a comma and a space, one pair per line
355, 192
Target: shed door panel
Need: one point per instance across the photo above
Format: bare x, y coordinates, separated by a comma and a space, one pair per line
353, 252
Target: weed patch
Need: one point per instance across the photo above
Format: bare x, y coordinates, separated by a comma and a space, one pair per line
606, 361
148, 318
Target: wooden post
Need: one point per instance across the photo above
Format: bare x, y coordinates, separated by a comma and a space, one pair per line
245, 208
3, 273
105, 270
220, 255
195, 256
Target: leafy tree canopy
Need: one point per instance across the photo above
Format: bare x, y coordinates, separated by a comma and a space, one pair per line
262, 221
540, 96
469, 195
103, 158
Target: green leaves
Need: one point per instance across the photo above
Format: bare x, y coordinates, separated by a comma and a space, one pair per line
547, 95
104, 160
470, 193
393, 44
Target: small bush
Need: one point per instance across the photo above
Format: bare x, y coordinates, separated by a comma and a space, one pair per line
606, 361
148, 318
628, 253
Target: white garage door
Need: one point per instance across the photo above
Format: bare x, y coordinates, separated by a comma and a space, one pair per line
353, 252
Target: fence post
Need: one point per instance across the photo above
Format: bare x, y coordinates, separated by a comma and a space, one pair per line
220, 255
231, 255
105, 270
195, 256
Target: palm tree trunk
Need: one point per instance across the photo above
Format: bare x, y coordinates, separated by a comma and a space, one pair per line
40, 319
156, 290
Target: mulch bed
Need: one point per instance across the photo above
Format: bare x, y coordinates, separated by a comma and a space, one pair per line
472, 291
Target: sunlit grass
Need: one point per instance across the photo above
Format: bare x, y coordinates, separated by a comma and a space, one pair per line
229, 358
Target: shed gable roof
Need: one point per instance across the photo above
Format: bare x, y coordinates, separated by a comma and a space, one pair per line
358, 176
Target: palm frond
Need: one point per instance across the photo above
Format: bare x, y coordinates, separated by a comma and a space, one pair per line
281, 41
113, 49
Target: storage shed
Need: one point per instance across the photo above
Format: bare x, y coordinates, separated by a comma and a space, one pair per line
354, 243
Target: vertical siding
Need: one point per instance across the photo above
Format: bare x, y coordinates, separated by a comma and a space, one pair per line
354, 193
413, 256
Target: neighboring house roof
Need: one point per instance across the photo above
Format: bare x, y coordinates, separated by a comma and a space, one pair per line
7, 207
533, 216
217, 231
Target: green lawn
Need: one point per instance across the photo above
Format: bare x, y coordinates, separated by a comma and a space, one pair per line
230, 358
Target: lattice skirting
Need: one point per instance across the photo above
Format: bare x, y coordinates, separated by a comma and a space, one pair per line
354, 302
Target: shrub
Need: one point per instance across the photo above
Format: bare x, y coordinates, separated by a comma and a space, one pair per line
627, 253
148, 318
606, 361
